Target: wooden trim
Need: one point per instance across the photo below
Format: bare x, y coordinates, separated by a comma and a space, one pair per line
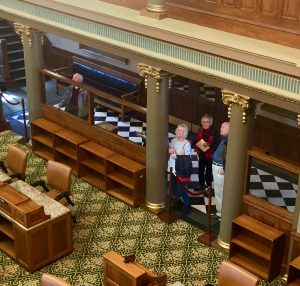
271, 215
96, 134
260, 154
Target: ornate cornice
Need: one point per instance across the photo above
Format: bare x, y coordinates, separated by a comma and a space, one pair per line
243, 101
29, 32
157, 73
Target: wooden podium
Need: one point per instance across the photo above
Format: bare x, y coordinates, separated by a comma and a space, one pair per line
27, 234
122, 271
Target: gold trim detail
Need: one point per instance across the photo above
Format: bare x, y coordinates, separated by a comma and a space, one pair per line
298, 119
29, 32
156, 8
223, 244
243, 101
155, 207
157, 73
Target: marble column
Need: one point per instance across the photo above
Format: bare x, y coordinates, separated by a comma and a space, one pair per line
241, 122
157, 84
32, 41
155, 9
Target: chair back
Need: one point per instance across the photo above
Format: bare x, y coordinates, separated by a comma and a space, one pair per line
59, 176
231, 274
16, 160
51, 280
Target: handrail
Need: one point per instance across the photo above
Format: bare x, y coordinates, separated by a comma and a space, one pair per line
94, 91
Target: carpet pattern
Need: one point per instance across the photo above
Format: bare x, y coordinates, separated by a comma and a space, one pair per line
104, 224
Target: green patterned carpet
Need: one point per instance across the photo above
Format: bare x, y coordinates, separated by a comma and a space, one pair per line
104, 224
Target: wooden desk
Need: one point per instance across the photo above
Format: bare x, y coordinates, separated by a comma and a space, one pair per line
34, 229
119, 273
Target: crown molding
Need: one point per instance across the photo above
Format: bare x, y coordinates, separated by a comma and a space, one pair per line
239, 48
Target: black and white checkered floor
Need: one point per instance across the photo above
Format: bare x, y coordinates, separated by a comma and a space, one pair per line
262, 184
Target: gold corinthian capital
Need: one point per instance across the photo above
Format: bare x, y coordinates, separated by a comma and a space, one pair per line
243, 101
157, 73
27, 31
298, 119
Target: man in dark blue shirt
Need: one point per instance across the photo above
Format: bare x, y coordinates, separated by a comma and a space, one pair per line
218, 166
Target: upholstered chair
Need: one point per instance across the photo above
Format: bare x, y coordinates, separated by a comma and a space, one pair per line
51, 280
58, 185
15, 162
231, 274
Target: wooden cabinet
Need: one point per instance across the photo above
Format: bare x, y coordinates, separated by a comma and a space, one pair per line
100, 166
33, 234
125, 180
66, 147
256, 247
42, 137
294, 272
119, 176
93, 164
7, 241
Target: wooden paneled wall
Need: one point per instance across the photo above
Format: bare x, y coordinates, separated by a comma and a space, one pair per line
191, 106
276, 21
277, 138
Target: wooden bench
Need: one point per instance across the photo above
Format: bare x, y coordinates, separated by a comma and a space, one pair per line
121, 84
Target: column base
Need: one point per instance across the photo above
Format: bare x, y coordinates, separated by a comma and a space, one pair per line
153, 15
155, 208
224, 245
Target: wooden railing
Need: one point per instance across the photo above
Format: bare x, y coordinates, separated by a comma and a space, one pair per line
91, 92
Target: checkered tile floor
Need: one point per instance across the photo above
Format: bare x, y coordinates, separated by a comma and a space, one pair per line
262, 184
272, 188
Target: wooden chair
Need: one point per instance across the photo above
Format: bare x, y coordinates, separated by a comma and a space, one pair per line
15, 162
51, 280
58, 182
231, 274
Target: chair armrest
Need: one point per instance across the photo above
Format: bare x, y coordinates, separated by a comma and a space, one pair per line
2, 166
66, 196
42, 184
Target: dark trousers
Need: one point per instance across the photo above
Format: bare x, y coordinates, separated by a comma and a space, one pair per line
205, 172
178, 192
